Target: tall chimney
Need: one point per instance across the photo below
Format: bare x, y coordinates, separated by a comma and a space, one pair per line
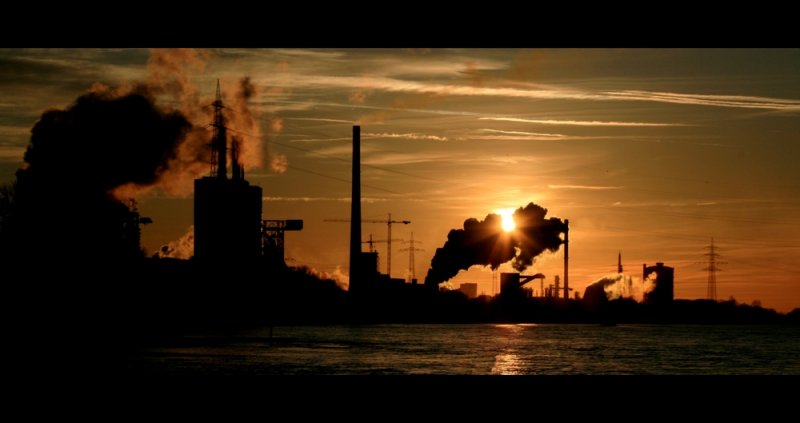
566, 259
355, 215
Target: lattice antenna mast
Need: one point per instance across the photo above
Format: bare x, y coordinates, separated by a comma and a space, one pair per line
412, 273
712, 268
219, 144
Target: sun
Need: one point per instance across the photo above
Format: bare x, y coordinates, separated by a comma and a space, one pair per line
507, 223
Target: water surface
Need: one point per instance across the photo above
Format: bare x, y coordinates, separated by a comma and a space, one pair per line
480, 349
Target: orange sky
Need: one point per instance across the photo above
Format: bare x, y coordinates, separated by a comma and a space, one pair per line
647, 152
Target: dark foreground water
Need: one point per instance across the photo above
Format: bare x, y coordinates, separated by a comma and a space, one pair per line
480, 349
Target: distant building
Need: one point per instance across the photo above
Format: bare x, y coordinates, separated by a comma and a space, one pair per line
469, 289
511, 284
663, 292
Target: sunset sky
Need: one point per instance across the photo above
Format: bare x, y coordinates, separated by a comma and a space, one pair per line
647, 152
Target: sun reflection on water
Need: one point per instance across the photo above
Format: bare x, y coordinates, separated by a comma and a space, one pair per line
508, 361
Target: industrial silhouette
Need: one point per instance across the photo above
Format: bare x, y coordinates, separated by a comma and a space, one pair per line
227, 212
388, 239
663, 292
238, 274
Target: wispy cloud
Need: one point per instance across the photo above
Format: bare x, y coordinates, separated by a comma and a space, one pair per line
314, 199
378, 135
316, 54
554, 93
410, 136
12, 153
539, 134
748, 102
14, 130
322, 139
499, 135
405, 158
586, 187
320, 120
579, 122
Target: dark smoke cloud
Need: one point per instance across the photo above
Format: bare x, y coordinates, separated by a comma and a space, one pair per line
64, 206
115, 143
246, 88
102, 142
485, 243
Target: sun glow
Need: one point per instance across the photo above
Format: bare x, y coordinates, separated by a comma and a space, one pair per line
508, 219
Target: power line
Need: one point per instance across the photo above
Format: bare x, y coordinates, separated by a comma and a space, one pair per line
338, 158
341, 179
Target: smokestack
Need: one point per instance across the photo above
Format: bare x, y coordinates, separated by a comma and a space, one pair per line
566, 259
619, 262
355, 214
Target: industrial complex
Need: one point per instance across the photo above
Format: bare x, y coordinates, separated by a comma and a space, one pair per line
229, 229
238, 270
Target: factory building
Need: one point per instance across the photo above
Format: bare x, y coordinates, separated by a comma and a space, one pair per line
227, 212
511, 284
663, 292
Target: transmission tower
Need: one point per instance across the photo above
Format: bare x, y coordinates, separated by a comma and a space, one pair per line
712, 268
412, 274
219, 139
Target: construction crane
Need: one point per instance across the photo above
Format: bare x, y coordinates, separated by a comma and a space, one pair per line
272, 237
412, 274
371, 242
388, 223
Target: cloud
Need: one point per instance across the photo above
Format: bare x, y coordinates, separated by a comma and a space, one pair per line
579, 122
315, 199
410, 136
551, 93
586, 187
315, 54
404, 158
11, 153
538, 134
322, 120
532, 137
739, 101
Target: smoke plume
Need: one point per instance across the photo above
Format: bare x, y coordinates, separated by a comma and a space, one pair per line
102, 142
342, 280
181, 248
622, 286
483, 242
115, 143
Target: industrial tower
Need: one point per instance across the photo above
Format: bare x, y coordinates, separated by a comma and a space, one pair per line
227, 212
712, 268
